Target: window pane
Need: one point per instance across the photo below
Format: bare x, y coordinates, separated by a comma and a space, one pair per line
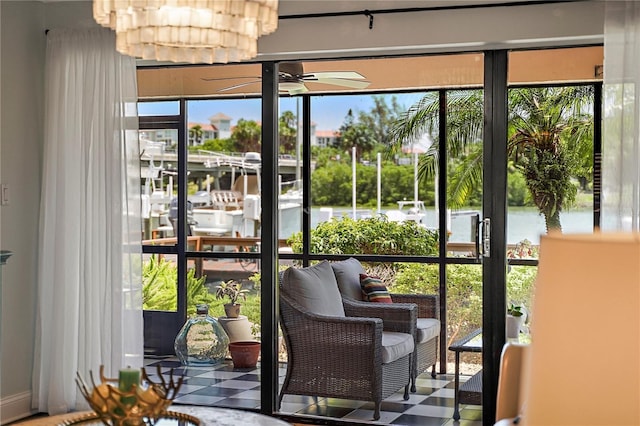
551, 129
158, 108
464, 119
157, 170
344, 126
224, 172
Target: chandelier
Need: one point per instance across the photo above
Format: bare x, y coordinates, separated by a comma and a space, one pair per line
193, 31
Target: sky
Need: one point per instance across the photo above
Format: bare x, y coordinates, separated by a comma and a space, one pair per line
327, 112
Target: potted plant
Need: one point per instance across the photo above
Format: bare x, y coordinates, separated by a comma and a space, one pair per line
245, 354
515, 319
233, 291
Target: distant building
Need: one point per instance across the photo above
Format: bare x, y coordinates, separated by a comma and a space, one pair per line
325, 138
222, 123
219, 127
209, 131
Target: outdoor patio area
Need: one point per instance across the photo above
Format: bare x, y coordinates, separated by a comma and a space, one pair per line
225, 386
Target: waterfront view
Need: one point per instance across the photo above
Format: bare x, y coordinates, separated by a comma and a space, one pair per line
522, 222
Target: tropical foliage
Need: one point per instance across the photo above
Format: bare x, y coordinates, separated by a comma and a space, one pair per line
547, 127
159, 287
196, 134
247, 136
287, 132
159, 283
549, 141
356, 134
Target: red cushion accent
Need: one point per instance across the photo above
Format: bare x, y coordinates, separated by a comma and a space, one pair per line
374, 289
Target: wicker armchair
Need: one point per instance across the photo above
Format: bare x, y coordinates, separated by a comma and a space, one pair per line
428, 319
350, 356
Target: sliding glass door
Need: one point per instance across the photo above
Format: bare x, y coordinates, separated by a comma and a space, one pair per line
239, 185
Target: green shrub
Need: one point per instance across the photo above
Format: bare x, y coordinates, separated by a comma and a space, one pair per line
369, 236
521, 284
464, 291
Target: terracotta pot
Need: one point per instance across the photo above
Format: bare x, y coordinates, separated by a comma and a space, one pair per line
244, 354
232, 311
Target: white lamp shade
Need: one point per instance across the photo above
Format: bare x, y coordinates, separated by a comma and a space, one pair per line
584, 365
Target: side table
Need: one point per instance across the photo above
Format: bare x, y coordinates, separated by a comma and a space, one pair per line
208, 416
471, 391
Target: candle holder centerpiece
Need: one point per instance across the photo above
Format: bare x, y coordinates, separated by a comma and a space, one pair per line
126, 401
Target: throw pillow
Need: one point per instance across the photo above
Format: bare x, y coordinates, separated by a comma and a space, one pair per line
374, 289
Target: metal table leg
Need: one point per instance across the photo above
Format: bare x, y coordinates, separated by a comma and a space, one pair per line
456, 411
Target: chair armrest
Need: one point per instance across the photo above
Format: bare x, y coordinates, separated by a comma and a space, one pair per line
427, 303
399, 317
327, 340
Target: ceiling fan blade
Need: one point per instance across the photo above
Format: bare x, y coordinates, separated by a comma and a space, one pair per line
237, 86
355, 84
301, 89
350, 75
227, 78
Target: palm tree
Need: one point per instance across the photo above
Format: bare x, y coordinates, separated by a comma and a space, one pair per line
247, 136
196, 134
548, 130
354, 133
288, 132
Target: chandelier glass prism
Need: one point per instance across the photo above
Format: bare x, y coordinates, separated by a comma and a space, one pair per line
191, 31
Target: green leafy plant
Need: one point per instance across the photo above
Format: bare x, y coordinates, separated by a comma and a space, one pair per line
375, 235
464, 291
232, 291
514, 310
159, 287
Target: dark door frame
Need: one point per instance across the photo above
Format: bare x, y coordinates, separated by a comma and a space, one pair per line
494, 206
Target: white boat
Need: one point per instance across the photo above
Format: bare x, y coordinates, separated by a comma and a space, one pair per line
408, 211
237, 211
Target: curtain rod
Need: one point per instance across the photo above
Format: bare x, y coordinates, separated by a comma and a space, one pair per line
370, 13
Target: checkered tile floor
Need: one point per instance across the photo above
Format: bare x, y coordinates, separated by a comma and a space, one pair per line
224, 386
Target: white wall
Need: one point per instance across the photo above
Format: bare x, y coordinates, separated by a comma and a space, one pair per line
22, 51
21, 107
22, 60
435, 31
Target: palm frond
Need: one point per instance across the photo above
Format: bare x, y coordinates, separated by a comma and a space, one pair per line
466, 177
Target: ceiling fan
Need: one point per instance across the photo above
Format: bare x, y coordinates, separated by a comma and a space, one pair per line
292, 79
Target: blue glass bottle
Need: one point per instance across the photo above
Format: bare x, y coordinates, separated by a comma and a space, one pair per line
202, 340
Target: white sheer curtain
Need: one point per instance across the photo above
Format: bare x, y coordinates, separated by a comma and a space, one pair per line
89, 276
621, 143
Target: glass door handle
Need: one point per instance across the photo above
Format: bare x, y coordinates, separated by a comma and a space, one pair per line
486, 237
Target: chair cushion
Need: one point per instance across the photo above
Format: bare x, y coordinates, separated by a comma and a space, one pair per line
427, 328
374, 289
315, 288
348, 276
395, 346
